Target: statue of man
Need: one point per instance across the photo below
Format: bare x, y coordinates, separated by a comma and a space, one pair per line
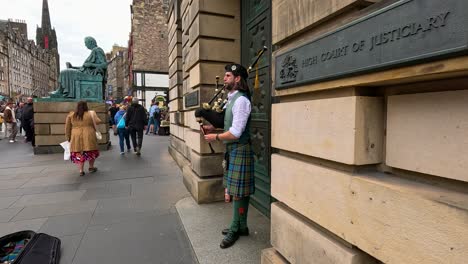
95, 65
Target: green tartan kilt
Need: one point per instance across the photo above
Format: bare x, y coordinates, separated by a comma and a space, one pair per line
239, 177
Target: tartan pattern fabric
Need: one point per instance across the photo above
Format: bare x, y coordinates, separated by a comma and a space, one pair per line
239, 177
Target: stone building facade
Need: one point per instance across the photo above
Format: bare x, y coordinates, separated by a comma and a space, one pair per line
27, 68
115, 75
149, 34
365, 164
148, 47
4, 72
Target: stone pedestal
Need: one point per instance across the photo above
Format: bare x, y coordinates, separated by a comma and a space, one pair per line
49, 125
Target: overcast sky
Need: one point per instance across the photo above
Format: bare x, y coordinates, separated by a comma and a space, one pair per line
108, 21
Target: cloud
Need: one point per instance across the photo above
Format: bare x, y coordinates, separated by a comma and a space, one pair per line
106, 20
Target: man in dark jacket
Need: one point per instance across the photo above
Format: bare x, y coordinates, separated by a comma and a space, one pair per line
27, 121
136, 121
19, 114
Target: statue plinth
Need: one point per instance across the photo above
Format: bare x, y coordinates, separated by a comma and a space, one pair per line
49, 124
88, 88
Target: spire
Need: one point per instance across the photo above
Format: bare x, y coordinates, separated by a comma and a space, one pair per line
45, 16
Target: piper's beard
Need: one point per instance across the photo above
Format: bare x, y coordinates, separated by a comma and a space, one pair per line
229, 86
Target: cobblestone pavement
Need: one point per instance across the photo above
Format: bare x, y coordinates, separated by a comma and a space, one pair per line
124, 213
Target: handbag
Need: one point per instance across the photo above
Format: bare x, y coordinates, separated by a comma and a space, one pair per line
98, 134
121, 123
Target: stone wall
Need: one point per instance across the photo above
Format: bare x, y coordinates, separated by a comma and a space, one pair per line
198, 50
49, 125
150, 35
372, 167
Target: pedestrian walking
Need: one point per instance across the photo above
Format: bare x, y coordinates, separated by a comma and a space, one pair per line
10, 120
19, 114
136, 121
27, 121
81, 132
151, 122
157, 118
119, 120
112, 111
2, 121
239, 175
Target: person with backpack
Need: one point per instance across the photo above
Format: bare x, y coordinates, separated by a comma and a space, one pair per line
119, 121
136, 121
152, 121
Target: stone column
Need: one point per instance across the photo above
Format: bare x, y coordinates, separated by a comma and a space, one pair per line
202, 39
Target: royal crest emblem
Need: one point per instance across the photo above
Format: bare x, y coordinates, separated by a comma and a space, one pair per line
289, 70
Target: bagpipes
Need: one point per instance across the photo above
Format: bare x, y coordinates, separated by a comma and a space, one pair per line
213, 111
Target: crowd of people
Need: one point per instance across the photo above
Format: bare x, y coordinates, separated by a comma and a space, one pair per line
128, 121
16, 117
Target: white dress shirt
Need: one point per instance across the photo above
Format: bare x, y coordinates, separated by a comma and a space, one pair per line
241, 112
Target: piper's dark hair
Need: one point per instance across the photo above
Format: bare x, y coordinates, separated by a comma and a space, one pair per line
81, 108
243, 86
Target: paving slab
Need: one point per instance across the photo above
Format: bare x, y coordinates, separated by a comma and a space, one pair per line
66, 225
21, 191
100, 181
110, 190
129, 205
6, 202
7, 170
12, 184
51, 180
7, 214
203, 224
69, 246
48, 198
105, 219
140, 242
41, 211
11, 227
61, 188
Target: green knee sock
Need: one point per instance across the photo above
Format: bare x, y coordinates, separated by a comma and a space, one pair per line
243, 213
236, 204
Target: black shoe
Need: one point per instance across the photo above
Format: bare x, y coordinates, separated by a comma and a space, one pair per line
92, 169
229, 239
242, 232
82, 173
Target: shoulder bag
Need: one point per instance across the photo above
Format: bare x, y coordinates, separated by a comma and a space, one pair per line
98, 134
121, 123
